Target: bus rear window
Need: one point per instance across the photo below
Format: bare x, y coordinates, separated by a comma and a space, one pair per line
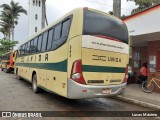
105, 25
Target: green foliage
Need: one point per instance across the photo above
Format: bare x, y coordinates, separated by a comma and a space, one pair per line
9, 18
144, 4
6, 45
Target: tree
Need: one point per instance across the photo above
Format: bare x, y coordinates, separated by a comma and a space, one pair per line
6, 22
4, 29
10, 14
143, 4
44, 16
6, 45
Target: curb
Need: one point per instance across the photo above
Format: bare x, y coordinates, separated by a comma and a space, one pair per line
137, 102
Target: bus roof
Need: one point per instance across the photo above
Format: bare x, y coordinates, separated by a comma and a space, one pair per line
63, 17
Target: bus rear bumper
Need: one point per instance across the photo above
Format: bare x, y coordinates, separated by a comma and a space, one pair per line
79, 91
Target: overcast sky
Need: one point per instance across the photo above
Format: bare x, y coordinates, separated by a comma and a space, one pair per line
57, 8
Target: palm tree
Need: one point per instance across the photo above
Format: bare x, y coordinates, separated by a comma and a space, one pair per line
13, 11
4, 29
44, 16
6, 22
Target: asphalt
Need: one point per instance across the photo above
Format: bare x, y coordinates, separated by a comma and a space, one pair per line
135, 95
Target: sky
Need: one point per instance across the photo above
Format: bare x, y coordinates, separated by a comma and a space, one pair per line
57, 8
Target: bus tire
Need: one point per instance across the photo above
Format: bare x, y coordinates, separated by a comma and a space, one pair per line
35, 87
1, 69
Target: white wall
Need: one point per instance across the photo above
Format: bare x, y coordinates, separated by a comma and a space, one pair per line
34, 9
148, 22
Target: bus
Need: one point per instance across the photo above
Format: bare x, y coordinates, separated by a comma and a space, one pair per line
84, 54
7, 62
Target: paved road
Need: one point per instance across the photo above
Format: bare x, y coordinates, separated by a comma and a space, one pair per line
17, 95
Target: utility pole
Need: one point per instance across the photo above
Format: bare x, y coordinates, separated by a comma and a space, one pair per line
43, 13
44, 17
117, 8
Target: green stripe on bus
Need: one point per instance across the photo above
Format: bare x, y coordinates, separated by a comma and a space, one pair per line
89, 68
60, 66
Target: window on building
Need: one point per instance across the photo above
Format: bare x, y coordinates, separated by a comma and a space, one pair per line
39, 3
36, 17
39, 43
44, 42
36, 3
33, 2
35, 29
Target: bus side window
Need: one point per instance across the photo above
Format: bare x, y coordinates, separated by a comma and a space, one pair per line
35, 45
44, 41
57, 35
61, 33
39, 43
50, 38
25, 49
65, 28
57, 32
21, 51
31, 47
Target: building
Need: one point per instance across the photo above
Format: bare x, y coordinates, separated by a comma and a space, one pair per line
35, 16
144, 31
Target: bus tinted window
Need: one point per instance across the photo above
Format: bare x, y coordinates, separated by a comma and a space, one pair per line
50, 38
25, 49
20, 51
28, 48
57, 32
65, 28
35, 45
44, 41
100, 24
31, 47
39, 43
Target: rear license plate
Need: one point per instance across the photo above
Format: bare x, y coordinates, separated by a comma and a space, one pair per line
106, 91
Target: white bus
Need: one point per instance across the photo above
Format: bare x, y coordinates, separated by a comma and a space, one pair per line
82, 55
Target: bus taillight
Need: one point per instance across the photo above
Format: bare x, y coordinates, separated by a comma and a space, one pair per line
76, 73
126, 75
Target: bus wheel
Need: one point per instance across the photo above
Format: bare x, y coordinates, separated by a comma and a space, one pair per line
1, 69
34, 84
